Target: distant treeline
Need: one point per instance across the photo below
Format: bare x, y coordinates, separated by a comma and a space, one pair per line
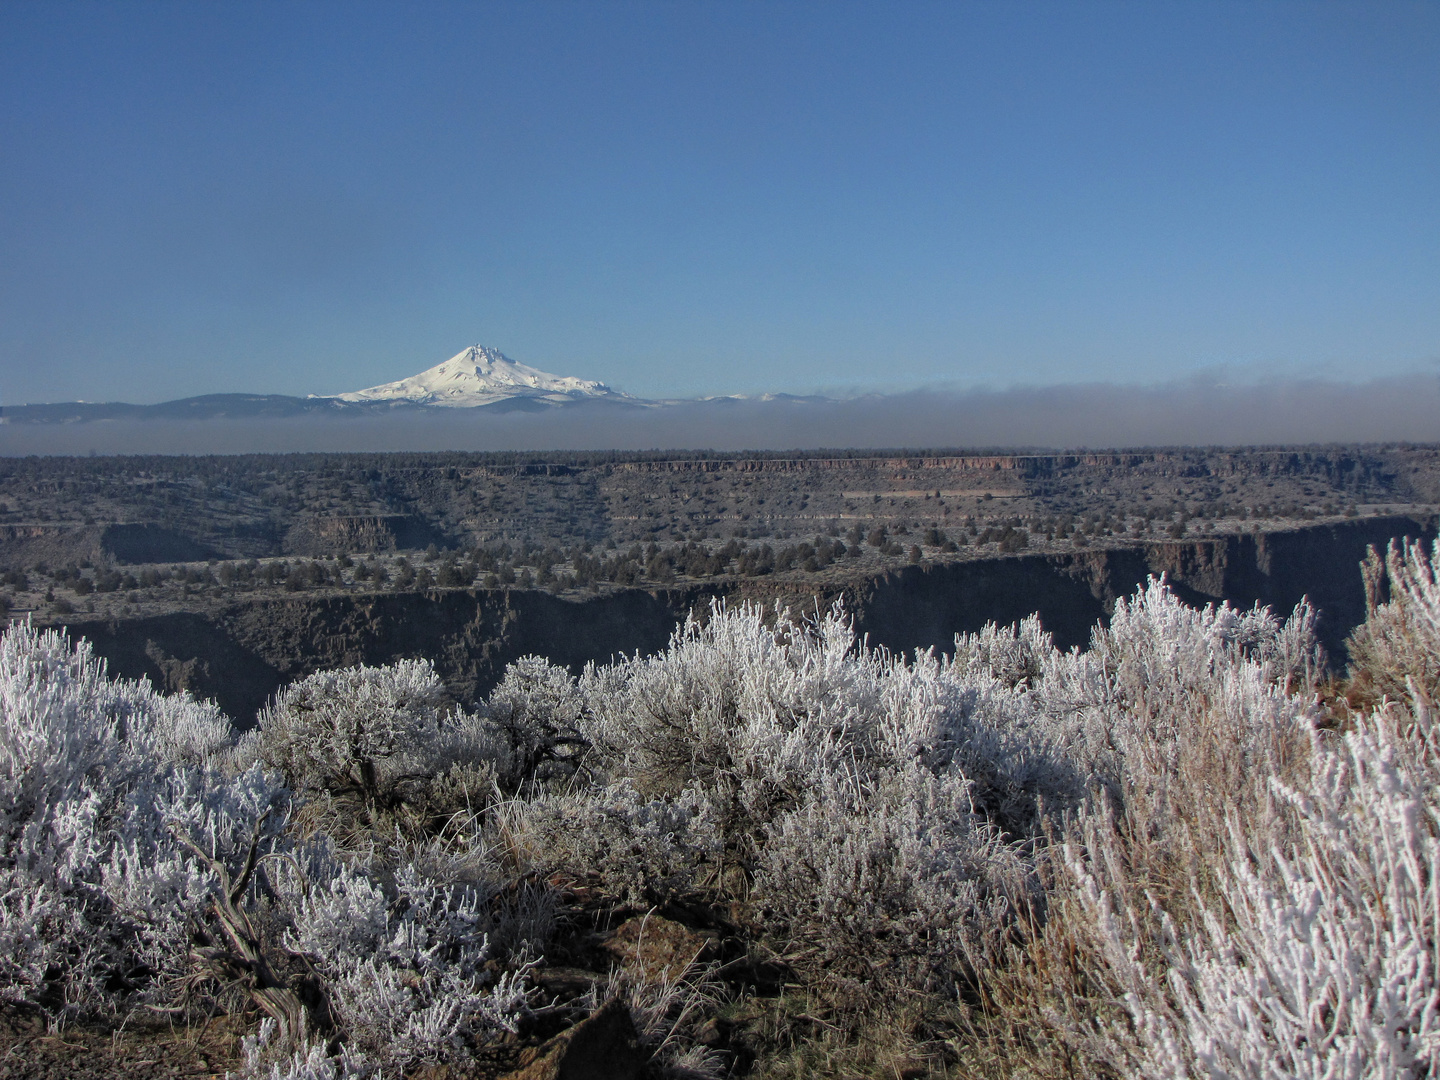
201, 465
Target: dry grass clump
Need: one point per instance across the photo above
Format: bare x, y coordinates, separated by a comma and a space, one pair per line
1395, 653
1256, 895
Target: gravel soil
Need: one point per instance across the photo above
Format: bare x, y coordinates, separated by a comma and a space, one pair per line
148, 1049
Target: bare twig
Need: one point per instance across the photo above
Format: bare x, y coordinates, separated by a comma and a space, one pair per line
237, 955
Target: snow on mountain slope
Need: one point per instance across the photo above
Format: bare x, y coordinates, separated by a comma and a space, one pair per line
483, 376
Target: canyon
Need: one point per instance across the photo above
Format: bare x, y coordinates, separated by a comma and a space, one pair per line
241, 651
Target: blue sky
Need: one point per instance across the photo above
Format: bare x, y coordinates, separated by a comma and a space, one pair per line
690, 198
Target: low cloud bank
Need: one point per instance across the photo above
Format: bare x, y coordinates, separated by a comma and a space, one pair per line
1093, 415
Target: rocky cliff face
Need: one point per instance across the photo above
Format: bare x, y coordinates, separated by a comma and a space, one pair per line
242, 654
264, 506
364, 533
925, 606
25, 545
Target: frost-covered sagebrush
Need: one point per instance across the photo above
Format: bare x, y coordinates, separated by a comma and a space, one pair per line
360, 729
404, 965
641, 850
141, 858
884, 884
1315, 958
831, 778
1154, 856
97, 777
1250, 895
370, 747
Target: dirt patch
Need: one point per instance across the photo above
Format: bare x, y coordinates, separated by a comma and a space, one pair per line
143, 1049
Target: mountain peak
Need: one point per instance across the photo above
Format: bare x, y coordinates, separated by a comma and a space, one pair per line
481, 375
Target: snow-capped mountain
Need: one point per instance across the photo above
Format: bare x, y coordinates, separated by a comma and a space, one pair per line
478, 377
483, 376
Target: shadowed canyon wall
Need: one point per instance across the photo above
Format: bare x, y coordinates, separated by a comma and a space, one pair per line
240, 655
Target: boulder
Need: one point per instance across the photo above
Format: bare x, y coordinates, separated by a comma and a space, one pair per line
603, 1046
565, 983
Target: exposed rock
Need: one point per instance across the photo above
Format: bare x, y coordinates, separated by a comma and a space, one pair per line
185, 651
565, 983
922, 607
248, 648
603, 1046
26, 545
343, 534
656, 948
